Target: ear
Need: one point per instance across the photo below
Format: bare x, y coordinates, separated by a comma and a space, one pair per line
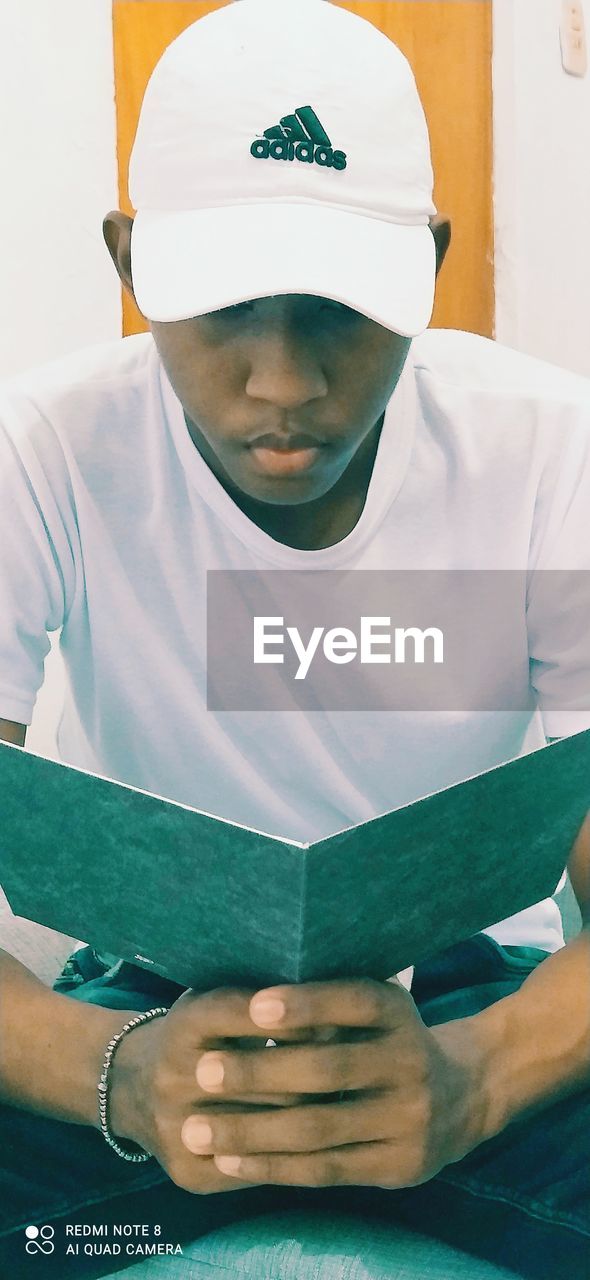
116, 229
441, 230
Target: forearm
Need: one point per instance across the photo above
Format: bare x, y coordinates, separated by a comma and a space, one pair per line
51, 1047
531, 1048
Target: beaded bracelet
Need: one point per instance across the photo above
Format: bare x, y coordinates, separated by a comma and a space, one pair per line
136, 1154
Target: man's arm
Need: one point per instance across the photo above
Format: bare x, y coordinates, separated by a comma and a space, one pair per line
34, 1021
579, 870
539, 1038
51, 1047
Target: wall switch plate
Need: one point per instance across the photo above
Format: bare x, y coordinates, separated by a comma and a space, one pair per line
572, 33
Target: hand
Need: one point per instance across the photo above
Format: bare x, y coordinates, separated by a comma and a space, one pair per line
409, 1099
154, 1087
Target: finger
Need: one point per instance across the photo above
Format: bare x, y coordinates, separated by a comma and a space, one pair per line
370, 1164
201, 1176
311, 1068
302, 1034
352, 1003
299, 1129
253, 1102
211, 1016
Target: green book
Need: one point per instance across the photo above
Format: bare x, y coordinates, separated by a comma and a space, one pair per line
206, 902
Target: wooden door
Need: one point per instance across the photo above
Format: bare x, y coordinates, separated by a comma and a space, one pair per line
449, 45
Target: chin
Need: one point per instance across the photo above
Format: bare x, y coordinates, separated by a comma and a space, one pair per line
285, 493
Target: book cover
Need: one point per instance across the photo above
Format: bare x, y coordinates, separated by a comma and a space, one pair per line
205, 902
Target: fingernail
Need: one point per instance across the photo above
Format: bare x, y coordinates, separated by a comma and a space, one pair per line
266, 1013
197, 1135
210, 1072
228, 1164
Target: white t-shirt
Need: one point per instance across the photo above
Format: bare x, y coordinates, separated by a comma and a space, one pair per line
110, 519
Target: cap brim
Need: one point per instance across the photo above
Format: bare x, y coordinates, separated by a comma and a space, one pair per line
192, 262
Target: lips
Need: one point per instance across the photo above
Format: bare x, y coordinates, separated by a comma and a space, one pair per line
286, 444
285, 455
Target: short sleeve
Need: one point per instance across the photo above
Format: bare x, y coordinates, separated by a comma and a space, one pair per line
37, 564
558, 613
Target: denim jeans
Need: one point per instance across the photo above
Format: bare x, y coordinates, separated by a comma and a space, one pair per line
521, 1199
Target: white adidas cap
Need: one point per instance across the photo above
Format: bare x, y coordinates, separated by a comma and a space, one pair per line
282, 148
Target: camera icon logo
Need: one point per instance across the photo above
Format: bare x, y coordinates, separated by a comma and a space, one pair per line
39, 1239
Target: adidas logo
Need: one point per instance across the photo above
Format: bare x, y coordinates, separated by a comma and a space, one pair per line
298, 137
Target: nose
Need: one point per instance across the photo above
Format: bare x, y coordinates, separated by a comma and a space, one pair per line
284, 371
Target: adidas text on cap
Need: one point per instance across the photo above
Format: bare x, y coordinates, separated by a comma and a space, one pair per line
282, 148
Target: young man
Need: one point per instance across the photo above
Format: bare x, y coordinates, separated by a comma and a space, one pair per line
279, 415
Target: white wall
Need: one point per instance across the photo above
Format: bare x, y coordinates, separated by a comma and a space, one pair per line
542, 187
59, 178
58, 290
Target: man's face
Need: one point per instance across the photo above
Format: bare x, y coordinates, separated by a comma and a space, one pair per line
280, 393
